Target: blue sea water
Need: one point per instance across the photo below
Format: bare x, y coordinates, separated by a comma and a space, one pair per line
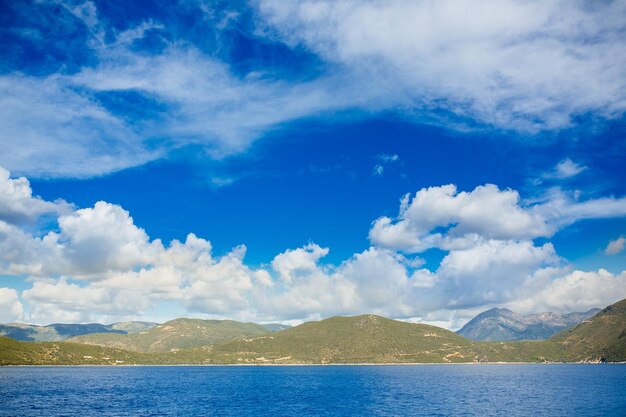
412, 390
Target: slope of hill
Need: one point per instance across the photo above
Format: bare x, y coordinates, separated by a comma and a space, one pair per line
342, 340
359, 339
501, 324
175, 335
13, 352
601, 338
61, 331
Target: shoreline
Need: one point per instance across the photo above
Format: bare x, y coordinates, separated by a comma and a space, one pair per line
315, 364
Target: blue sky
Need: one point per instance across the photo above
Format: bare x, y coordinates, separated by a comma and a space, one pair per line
420, 161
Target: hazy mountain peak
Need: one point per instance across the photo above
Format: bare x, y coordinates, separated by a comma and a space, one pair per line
61, 331
502, 324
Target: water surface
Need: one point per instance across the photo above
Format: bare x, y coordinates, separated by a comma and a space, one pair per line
412, 390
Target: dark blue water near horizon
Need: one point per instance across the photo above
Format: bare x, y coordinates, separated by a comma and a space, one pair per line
397, 390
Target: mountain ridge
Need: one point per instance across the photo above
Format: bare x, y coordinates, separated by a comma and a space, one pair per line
56, 332
502, 324
174, 335
350, 340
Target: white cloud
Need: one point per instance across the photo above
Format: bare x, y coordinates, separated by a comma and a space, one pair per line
384, 159
550, 290
380, 281
514, 65
206, 105
104, 238
490, 272
220, 286
99, 266
561, 210
55, 128
22, 253
529, 66
615, 246
210, 106
11, 308
372, 281
567, 168
485, 212
89, 243
66, 302
51, 129
293, 263
18, 205
442, 217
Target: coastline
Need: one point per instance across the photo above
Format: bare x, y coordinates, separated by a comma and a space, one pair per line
312, 364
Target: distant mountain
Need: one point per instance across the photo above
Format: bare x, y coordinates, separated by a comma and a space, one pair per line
601, 338
175, 335
275, 327
360, 339
61, 331
501, 324
131, 327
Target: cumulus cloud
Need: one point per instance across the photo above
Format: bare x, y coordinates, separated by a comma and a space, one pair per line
551, 290
381, 281
484, 61
11, 308
442, 217
88, 242
103, 238
615, 246
491, 271
98, 265
18, 205
485, 212
62, 301
292, 263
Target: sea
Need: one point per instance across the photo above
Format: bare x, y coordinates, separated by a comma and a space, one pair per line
394, 390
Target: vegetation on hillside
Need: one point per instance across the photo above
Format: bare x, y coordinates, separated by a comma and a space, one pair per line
175, 335
341, 340
602, 337
57, 332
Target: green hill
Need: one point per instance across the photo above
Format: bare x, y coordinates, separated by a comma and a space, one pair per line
175, 335
601, 338
360, 339
374, 339
342, 340
13, 352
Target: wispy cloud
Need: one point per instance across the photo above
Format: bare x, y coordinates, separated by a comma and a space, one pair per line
615, 246
384, 159
450, 63
523, 66
133, 106
565, 169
